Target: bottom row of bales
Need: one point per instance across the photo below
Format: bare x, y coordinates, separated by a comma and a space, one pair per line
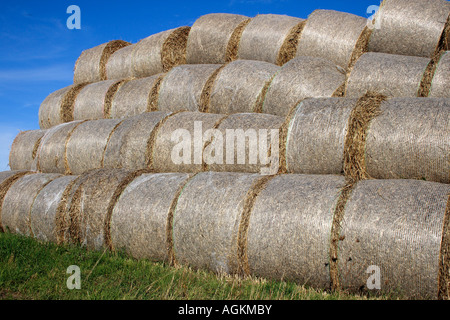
276, 227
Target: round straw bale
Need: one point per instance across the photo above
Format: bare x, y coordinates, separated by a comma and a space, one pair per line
179, 140
387, 74
7, 179
211, 36
240, 86
140, 217
92, 203
263, 38
300, 78
23, 155
316, 136
58, 107
119, 64
94, 101
410, 140
51, 156
395, 225
289, 230
245, 144
44, 210
19, 199
87, 144
91, 65
207, 218
332, 35
127, 146
160, 52
182, 87
133, 97
410, 27
440, 86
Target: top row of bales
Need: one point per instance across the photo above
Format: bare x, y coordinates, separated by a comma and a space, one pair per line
404, 27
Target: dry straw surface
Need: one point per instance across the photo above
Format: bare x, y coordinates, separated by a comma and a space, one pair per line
127, 145
91, 204
91, 65
240, 86
120, 63
140, 217
163, 146
206, 220
410, 140
87, 144
397, 226
44, 210
211, 36
51, 155
333, 35
289, 230
440, 86
133, 97
182, 87
58, 107
410, 27
23, 154
300, 78
94, 101
160, 52
316, 136
265, 36
18, 201
254, 142
7, 179
387, 74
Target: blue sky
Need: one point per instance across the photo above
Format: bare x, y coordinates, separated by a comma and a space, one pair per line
39, 51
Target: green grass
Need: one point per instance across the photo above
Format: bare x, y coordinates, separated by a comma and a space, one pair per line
34, 270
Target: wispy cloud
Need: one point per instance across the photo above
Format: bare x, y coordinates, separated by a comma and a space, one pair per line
60, 72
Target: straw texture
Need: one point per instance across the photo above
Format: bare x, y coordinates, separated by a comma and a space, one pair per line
246, 141
410, 140
90, 204
23, 154
264, 36
140, 217
127, 146
316, 136
91, 65
133, 97
160, 52
51, 156
210, 37
331, 35
188, 145
182, 87
58, 107
441, 83
206, 220
44, 210
7, 179
19, 200
239, 86
387, 74
395, 225
87, 145
289, 230
410, 27
119, 64
300, 78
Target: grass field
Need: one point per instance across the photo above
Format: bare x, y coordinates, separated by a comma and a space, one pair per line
33, 270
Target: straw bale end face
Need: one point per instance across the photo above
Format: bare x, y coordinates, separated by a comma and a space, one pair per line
24, 150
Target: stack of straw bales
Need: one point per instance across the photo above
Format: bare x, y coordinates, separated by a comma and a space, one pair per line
162, 148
